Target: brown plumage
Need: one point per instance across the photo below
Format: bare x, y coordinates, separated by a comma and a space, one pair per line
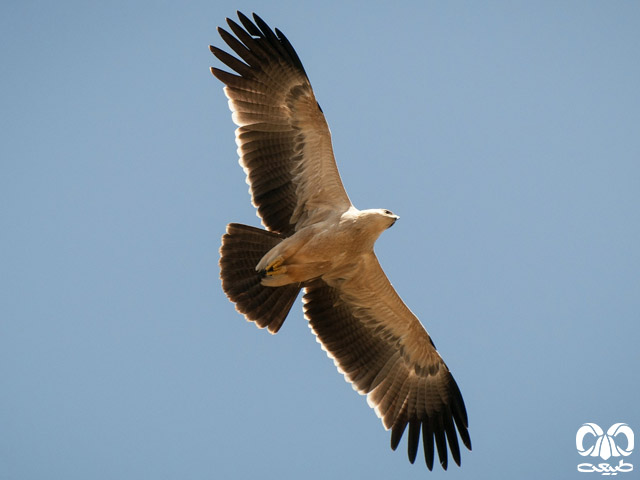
317, 240
242, 248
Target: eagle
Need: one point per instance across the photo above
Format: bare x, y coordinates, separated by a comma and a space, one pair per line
316, 240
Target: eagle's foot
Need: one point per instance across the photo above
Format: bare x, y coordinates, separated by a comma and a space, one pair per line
275, 267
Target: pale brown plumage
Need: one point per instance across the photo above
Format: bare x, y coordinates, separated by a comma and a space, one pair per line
284, 146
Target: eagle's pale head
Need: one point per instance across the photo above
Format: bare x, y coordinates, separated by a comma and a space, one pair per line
378, 219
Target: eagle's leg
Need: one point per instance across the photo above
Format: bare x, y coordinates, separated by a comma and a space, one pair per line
276, 267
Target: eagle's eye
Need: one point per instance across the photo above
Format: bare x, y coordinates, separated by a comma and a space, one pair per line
388, 212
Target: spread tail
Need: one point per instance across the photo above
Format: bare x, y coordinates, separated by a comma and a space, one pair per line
242, 248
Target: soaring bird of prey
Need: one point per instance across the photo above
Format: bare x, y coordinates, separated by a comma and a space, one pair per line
317, 241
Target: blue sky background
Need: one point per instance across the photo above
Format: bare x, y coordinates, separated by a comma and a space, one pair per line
505, 134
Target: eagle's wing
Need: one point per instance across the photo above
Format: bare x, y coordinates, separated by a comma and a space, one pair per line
283, 139
385, 352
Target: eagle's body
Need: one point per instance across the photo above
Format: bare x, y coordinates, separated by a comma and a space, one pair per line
317, 241
330, 249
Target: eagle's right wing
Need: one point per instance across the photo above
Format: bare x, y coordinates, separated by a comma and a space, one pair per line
283, 139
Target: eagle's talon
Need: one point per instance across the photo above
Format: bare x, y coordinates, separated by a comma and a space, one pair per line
275, 267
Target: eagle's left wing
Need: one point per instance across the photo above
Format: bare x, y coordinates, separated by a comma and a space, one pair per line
385, 352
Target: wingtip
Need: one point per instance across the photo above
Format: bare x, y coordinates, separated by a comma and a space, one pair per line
230, 21
467, 441
257, 17
242, 17
216, 72
396, 433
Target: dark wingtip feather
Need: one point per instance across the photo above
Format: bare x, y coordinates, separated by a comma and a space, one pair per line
225, 77
292, 53
427, 444
262, 25
458, 403
463, 432
452, 438
249, 25
396, 433
413, 440
441, 444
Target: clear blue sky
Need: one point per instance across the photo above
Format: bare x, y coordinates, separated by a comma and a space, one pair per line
505, 134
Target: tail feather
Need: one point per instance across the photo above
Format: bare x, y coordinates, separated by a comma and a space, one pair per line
242, 248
